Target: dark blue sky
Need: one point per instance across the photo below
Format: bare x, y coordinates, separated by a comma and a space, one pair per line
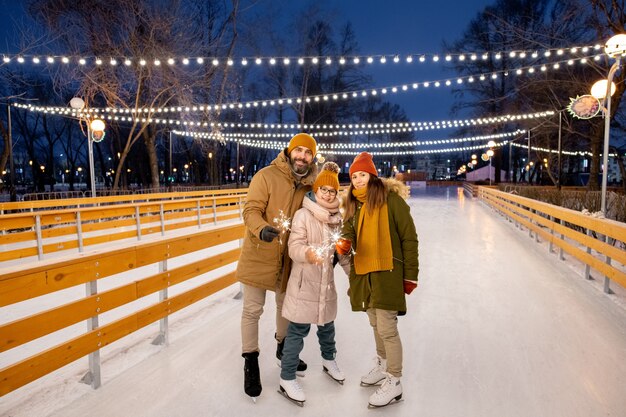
381, 27
411, 26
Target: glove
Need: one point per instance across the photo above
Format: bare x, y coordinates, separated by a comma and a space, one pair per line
343, 246
312, 257
269, 233
409, 286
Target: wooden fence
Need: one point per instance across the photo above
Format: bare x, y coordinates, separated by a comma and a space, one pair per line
598, 243
48, 276
36, 229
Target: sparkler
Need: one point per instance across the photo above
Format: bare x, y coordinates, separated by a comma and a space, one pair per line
282, 223
324, 250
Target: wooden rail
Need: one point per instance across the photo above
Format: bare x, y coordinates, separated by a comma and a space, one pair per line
46, 277
471, 189
45, 231
108, 200
597, 243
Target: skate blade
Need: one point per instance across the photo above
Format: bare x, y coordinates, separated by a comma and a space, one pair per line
339, 381
375, 384
393, 401
284, 394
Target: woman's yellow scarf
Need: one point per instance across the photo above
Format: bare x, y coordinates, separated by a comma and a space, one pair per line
373, 240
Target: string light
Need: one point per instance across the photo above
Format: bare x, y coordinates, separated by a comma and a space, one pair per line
574, 153
263, 137
321, 130
346, 148
301, 60
528, 70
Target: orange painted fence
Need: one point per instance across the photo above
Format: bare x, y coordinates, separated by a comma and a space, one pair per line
598, 243
40, 278
39, 228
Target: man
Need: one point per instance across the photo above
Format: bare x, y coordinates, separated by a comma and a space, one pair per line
275, 191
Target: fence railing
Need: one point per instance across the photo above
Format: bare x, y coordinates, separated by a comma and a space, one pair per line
43, 278
598, 243
47, 204
81, 223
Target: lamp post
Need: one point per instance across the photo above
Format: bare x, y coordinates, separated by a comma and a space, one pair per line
490, 153
604, 89
12, 191
95, 133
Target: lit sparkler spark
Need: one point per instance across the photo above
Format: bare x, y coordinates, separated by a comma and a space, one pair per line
282, 223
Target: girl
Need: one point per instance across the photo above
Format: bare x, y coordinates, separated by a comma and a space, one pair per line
311, 296
384, 267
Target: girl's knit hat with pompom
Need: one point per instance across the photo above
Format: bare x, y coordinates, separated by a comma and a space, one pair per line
329, 176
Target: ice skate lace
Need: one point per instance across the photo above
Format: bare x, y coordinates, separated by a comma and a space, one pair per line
296, 385
377, 367
385, 386
332, 366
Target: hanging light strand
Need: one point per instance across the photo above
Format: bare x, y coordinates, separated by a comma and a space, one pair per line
248, 61
339, 147
339, 129
347, 95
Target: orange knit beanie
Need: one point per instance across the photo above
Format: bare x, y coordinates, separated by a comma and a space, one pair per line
329, 176
363, 162
302, 139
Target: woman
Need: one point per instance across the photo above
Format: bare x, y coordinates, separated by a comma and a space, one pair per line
383, 240
311, 296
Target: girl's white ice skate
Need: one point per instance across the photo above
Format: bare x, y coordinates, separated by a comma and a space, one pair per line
292, 390
333, 371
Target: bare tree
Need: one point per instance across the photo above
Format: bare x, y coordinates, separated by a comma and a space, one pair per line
538, 25
145, 32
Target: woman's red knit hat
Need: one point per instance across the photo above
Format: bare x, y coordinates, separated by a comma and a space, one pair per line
363, 162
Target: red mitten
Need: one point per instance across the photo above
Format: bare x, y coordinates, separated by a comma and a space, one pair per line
409, 286
343, 246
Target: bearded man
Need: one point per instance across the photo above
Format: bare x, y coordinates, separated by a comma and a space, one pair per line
276, 191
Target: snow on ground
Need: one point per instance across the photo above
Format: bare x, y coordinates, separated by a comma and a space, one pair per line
497, 327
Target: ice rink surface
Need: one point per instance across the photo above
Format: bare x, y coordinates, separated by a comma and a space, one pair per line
497, 327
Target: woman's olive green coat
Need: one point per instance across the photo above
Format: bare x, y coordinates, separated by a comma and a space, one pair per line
384, 289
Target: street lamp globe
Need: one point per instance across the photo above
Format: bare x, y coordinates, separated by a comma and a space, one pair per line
491, 144
490, 153
598, 90
616, 45
77, 103
97, 130
97, 125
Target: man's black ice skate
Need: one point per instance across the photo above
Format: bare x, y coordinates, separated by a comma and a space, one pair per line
279, 356
251, 377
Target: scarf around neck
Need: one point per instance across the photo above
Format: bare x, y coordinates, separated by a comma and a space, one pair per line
373, 240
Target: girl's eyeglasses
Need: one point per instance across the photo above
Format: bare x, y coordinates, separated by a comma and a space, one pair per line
325, 191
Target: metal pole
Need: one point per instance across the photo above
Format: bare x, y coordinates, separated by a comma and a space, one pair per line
169, 171
12, 190
237, 167
607, 126
528, 157
558, 177
91, 163
510, 167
